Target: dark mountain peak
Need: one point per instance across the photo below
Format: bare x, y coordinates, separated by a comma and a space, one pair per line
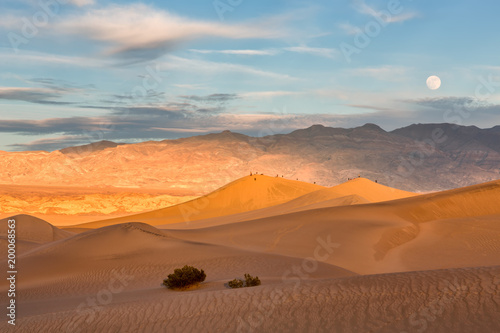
372, 127
91, 147
317, 130
224, 135
419, 130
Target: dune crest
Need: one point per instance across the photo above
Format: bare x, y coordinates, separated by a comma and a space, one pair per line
245, 194
31, 232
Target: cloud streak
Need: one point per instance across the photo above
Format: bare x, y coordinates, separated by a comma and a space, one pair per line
214, 98
31, 95
197, 66
138, 32
317, 51
384, 73
350, 29
238, 52
361, 7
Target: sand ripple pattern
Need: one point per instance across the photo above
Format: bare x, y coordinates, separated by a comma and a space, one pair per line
456, 300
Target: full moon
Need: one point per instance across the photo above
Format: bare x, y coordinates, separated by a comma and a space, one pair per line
433, 82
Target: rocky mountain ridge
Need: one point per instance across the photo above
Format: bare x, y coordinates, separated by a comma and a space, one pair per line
420, 157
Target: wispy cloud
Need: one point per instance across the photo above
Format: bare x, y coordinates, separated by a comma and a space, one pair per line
78, 3
323, 52
452, 103
189, 86
81, 3
175, 63
268, 94
31, 95
62, 86
350, 29
316, 51
214, 98
372, 107
238, 52
384, 73
36, 58
363, 8
139, 32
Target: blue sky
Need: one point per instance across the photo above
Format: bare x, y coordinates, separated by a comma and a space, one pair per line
79, 71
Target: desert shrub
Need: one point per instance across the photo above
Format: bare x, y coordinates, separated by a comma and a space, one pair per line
250, 281
184, 277
236, 283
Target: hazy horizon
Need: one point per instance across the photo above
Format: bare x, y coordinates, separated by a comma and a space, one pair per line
258, 134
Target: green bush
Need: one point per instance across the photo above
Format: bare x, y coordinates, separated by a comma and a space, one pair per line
250, 281
236, 283
184, 277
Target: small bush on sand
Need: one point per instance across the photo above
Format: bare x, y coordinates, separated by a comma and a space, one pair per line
250, 281
236, 283
184, 277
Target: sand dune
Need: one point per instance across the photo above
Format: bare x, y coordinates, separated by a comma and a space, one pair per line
371, 237
245, 194
476, 200
353, 192
79, 263
359, 190
286, 208
370, 190
31, 232
418, 263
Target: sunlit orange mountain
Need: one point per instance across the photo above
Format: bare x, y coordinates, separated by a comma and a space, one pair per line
424, 157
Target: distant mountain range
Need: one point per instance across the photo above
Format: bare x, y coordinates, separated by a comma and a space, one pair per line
420, 157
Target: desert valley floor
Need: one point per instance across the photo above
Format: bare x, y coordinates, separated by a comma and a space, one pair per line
356, 257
